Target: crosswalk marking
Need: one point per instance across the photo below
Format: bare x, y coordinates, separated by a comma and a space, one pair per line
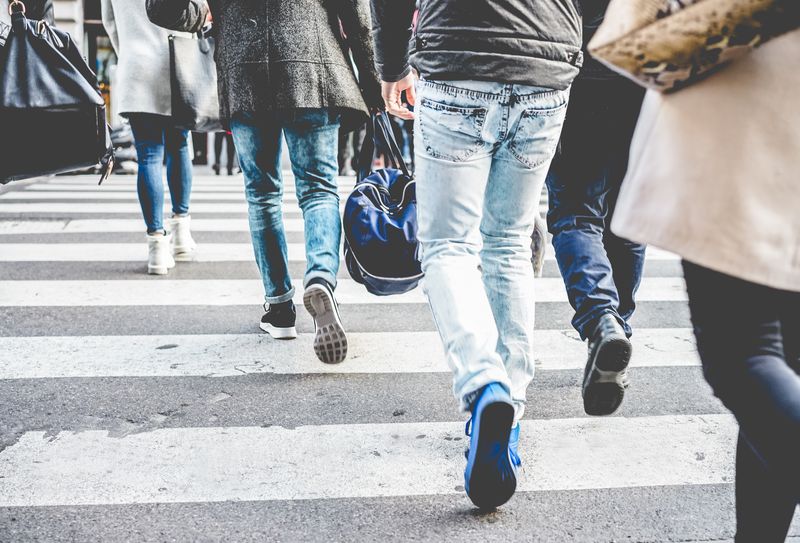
92, 226
194, 458
132, 208
241, 354
325, 462
132, 197
127, 252
250, 292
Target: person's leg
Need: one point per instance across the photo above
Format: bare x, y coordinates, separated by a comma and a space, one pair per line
218, 139
741, 331
583, 183
453, 164
312, 139
179, 179
520, 166
259, 145
764, 510
230, 149
312, 136
179, 169
583, 180
148, 135
458, 124
626, 257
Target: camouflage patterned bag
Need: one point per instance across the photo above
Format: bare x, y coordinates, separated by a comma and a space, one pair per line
668, 44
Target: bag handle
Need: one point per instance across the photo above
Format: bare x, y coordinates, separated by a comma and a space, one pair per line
380, 127
15, 6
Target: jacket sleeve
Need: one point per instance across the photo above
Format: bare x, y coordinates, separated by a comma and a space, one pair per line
110, 23
178, 15
391, 31
355, 18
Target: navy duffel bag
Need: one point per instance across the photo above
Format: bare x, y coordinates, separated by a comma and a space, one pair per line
380, 219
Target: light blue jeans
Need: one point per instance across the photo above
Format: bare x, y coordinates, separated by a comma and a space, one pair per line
312, 136
482, 154
155, 136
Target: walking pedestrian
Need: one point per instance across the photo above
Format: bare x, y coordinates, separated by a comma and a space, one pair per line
489, 108
601, 271
720, 188
142, 92
283, 71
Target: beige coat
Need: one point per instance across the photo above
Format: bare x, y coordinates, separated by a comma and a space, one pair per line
714, 172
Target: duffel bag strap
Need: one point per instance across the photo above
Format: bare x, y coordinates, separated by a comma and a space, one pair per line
380, 127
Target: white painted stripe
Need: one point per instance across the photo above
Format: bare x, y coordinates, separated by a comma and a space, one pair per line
371, 460
114, 195
132, 208
233, 187
91, 226
132, 252
229, 355
132, 196
250, 292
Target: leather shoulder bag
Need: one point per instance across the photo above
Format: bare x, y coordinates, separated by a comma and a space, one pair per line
52, 116
195, 98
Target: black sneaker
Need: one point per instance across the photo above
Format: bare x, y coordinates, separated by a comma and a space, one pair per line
606, 377
330, 341
279, 321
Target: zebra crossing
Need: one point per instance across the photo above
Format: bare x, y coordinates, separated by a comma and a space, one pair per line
140, 408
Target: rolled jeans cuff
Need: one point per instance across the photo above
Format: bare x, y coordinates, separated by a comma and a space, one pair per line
280, 299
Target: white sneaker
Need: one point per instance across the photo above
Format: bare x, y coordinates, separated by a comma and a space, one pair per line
160, 259
183, 246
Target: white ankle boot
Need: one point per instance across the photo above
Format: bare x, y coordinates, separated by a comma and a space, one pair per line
183, 246
160, 258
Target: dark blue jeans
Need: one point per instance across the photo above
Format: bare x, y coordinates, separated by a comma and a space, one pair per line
312, 136
601, 271
154, 135
748, 337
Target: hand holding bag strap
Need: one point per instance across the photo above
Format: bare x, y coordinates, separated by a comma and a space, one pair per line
379, 126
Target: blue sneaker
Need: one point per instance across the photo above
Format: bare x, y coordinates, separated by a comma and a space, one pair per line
513, 444
491, 475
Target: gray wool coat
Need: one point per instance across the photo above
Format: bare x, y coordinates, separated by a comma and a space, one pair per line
276, 55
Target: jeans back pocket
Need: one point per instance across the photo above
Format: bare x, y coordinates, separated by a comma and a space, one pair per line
451, 132
536, 138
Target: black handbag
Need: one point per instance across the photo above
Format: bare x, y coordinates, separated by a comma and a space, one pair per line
52, 116
193, 81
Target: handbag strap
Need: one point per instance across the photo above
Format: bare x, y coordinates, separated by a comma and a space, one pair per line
379, 130
15, 6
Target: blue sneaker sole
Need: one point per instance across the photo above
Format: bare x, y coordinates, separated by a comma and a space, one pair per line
492, 480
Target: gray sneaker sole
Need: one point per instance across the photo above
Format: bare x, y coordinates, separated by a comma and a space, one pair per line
330, 341
603, 380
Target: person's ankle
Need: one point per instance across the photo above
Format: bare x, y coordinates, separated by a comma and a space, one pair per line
280, 306
320, 281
